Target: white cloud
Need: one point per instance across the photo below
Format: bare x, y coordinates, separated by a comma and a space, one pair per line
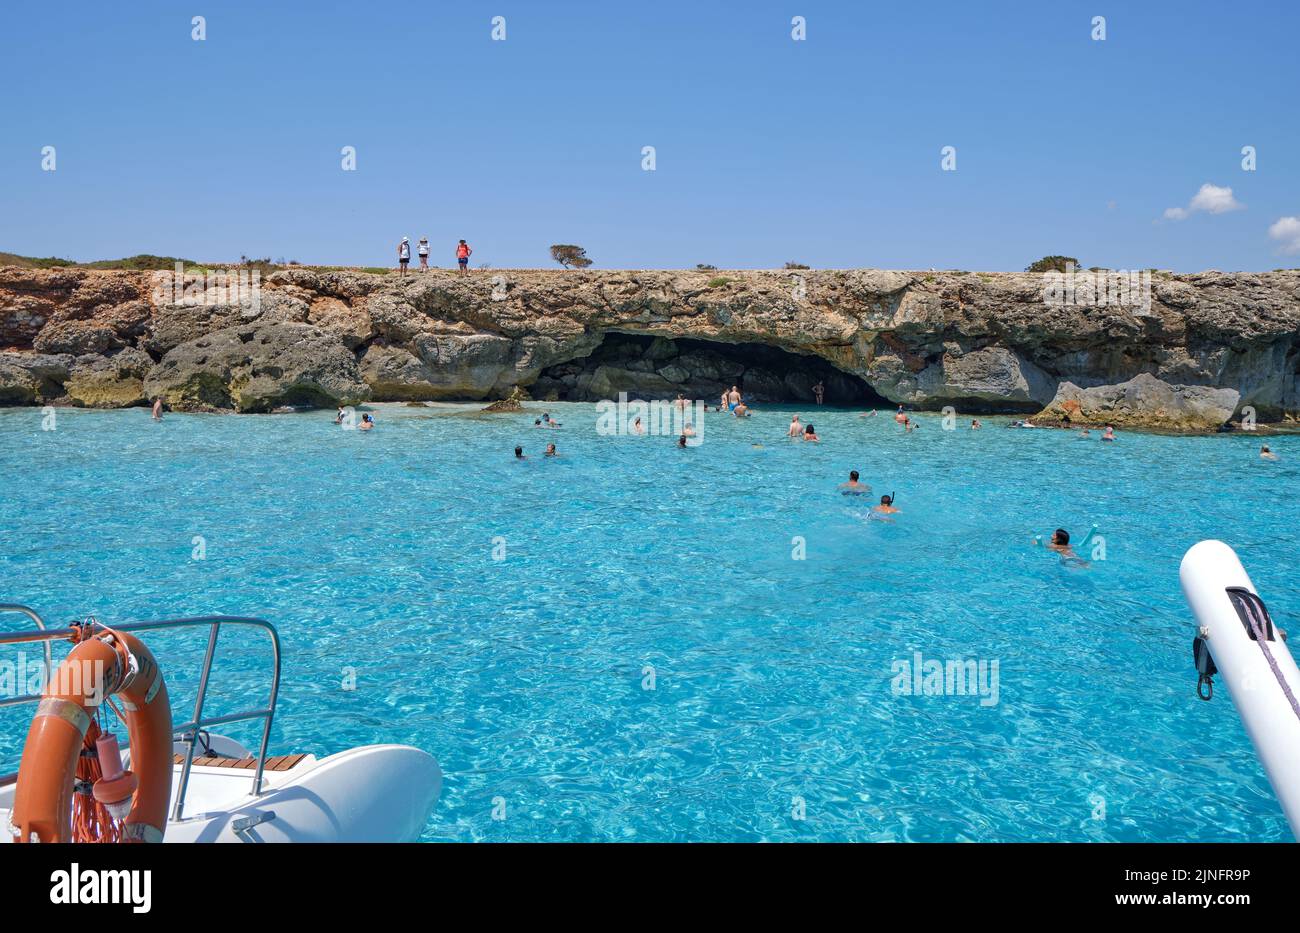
1287, 231
1210, 198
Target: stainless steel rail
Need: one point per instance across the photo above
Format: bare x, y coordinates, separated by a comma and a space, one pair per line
187, 732
40, 624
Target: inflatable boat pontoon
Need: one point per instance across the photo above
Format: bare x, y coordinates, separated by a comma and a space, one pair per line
1238, 640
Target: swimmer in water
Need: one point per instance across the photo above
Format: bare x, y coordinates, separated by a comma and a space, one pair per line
868, 414
519, 454
338, 419
886, 506
157, 409
975, 424
546, 420
681, 441
796, 428
1060, 543
741, 410
853, 487
1085, 433
1108, 434
551, 451
899, 416
366, 424
732, 398
637, 428
809, 434
688, 430
1266, 454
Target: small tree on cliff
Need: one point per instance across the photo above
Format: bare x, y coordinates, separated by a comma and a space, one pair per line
568, 255
1053, 264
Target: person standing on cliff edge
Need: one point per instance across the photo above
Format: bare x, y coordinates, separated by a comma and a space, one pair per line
423, 249
404, 254
462, 256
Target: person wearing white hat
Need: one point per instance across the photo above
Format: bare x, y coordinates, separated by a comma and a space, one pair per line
423, 250
404, 254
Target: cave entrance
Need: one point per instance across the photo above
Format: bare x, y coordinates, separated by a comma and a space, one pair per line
652, 368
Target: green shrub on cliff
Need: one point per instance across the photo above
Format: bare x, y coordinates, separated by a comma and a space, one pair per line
143, 262
1053, 264
31, 262
566, 254
719, 282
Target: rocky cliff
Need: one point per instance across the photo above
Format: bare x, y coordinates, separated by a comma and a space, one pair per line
1191, 355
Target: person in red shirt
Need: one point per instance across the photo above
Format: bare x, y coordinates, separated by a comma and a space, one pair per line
462, 255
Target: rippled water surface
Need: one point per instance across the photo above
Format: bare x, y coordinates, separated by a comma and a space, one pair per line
630, 564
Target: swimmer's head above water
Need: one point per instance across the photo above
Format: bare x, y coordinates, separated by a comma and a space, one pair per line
519, 453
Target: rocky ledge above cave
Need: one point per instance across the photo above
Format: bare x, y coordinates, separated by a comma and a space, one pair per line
1202, 349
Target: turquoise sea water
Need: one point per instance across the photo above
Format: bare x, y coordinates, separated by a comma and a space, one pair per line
629, 564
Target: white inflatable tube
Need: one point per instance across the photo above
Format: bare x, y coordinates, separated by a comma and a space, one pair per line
1260, 673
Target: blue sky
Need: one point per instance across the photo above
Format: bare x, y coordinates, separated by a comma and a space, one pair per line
824, 151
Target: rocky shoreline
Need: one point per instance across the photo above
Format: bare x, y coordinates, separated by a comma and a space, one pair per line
1201, 351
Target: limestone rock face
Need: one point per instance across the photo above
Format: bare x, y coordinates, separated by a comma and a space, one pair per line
1145, 401
258, 367
32, 378
114, 381
981, 342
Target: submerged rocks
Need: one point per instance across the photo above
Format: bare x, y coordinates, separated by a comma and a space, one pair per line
1145, 401
513, 403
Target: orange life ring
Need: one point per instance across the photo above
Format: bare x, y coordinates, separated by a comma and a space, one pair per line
121, 666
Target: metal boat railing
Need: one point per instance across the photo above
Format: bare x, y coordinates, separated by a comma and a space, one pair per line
186, 732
